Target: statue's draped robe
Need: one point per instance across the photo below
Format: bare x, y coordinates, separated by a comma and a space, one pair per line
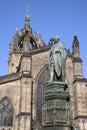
58, 52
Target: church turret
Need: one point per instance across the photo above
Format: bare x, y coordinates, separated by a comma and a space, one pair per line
77, 62
75, 47
40, 41
14, 56
14, 44
16, 40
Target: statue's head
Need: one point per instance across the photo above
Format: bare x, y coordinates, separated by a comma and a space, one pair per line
56, 38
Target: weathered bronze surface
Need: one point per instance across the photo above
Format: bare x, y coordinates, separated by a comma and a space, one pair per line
57, 60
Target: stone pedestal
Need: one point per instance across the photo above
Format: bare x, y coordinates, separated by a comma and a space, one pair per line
56, 114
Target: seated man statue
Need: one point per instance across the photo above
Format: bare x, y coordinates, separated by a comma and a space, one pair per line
57, 60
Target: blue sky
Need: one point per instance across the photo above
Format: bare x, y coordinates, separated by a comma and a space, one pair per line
65, 18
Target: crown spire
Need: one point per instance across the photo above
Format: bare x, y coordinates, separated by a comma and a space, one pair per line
27, 14
27, 17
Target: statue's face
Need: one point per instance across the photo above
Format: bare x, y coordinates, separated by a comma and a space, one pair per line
56, 39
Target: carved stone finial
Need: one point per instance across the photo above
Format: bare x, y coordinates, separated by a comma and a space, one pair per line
35, 34
27, 8
75, 40
27, 18
17, 30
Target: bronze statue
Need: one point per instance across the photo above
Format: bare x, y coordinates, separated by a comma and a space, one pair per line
57, 59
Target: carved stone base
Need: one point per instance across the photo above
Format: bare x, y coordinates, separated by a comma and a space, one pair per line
55, 109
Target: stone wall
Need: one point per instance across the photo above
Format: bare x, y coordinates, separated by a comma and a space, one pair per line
11, 91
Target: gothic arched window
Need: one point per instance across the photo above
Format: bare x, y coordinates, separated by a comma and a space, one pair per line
6, 113
41, 87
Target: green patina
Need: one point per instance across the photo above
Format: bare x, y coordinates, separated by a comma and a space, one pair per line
57, 60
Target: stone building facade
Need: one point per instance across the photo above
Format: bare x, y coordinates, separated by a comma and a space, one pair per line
22, 90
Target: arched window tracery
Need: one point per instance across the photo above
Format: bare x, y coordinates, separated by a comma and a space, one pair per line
6, 114
41, 87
